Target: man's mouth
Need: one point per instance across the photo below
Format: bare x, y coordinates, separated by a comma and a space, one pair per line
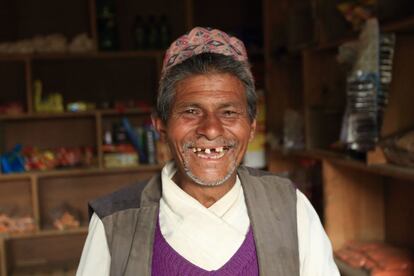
210, 152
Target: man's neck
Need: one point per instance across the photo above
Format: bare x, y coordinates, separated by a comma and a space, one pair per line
206, 195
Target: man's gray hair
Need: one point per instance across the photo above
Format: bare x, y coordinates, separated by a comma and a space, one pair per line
205, 63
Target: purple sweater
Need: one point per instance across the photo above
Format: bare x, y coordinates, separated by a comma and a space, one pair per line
167, 262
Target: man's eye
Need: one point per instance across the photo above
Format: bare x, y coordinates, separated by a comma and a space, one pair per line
191, 111
229, 113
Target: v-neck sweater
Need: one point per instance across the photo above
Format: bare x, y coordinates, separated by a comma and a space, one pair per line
168, 262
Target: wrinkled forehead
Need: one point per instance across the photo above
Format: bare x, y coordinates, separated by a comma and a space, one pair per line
210, 89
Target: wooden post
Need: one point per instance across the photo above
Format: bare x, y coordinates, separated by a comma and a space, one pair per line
3, 263
99, 142
35, 200
29, 84
189, 14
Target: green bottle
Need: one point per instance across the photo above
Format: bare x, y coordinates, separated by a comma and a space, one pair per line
107, 28
165, 32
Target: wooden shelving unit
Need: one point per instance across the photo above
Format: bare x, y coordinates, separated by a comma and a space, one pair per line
85, 55
91, 76
360, 202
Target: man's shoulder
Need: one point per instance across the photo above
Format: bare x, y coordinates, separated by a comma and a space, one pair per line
268, 178
125, 198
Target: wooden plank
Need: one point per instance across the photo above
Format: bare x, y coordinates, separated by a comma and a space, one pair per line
354, 205
78, 114
99, 139
3, 264
85, 55
397, 172
189, 8
93, 29
46, 233
78, 172
35, 200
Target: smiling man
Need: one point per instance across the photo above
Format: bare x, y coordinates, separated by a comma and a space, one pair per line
205, 214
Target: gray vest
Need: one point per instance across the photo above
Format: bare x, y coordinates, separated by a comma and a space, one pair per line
129, 217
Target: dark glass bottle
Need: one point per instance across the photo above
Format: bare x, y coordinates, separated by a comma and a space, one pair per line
107, 27
139, 34
152, 33
165, 32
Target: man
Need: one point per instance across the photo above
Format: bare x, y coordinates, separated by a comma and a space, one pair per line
205, 214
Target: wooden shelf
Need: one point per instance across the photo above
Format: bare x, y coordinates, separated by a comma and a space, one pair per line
78, 172
48, 115
388, 170
44, 233
52, 115
125, 112
406, 24
403, 25
86, 55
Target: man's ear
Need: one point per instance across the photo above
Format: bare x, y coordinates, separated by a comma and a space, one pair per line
160, 127
252, 130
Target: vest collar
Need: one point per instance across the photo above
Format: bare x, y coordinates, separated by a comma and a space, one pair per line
270, 227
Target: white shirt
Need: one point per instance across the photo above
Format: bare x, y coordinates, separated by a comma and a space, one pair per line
315, 251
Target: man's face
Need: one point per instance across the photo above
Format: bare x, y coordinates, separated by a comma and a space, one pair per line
208, 128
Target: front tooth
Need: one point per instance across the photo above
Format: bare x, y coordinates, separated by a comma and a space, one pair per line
198, 149
220, 149
207, 151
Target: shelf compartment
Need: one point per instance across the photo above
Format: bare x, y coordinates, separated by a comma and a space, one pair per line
34, 19
49, 134
77, 191
16, 199
126, 11
354, 205
325, 98
245, 23
13, 82
399, 214
43, 253
100, 81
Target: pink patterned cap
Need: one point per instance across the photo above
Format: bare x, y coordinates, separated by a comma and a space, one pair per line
203, 40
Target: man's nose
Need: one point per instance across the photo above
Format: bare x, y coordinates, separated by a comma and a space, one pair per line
210, 127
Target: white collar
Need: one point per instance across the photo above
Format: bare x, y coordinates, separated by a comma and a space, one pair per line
207, 237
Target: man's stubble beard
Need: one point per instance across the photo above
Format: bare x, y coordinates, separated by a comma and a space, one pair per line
204, 183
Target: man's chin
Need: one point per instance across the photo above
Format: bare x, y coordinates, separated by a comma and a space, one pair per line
212, 180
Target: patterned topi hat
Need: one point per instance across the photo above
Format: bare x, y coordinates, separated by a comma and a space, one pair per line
203, 40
